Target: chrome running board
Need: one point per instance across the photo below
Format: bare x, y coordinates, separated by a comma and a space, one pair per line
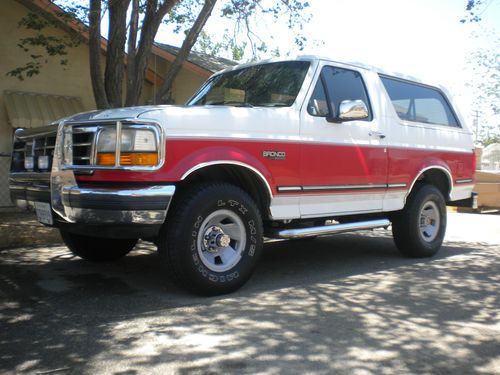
331, 229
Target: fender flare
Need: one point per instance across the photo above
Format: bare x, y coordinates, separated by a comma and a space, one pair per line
229, 162
446, 171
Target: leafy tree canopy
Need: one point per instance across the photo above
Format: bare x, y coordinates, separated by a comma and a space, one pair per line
484, 63
474, 10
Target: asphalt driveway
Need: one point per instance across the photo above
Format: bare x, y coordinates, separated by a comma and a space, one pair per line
348, 304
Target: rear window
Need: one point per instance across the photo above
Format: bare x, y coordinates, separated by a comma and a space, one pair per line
414, 102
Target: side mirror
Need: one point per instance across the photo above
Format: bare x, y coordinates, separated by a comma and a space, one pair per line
350, 110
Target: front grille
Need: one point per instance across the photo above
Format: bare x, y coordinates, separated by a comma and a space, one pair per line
77, 146
36, 146
83, 139
18, 153
44, 146
33, 147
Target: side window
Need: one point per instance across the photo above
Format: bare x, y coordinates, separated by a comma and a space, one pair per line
317, 104
414, 102
336, 85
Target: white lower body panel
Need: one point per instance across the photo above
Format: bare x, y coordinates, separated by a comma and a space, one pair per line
310, 206
461, 191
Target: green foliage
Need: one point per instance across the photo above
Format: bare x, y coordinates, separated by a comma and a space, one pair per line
183, 15
488, 67
486, 88
29, 69
487, 132
490, 140
243, 13
244, 42
34, 22
74, 11
474, 9
225, 47
42, 45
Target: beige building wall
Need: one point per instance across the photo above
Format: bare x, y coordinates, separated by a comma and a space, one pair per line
184, 85
55, 79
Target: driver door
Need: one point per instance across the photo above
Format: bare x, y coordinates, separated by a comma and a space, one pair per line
343, 163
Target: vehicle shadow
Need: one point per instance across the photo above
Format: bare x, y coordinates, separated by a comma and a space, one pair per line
349, 297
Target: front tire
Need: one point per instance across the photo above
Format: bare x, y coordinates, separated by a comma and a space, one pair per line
419, 229
97, 249
212, 239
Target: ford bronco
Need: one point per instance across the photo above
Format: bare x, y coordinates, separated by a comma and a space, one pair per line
275, 149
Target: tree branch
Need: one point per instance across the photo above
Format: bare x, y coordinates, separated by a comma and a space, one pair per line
152, 20
95, 54
132, 42
115, 53
164, 93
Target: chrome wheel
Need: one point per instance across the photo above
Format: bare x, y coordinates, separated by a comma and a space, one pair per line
429, 221
213, 240
221, 240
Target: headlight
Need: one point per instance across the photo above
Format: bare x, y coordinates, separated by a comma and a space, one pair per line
137, 147
29, 162
144, 140
107, 140
43, 162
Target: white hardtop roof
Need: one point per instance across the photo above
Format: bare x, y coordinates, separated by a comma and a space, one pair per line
317, 58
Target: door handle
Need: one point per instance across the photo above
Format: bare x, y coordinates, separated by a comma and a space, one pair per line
377, 134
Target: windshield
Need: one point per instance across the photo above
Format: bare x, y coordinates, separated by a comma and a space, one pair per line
265, 85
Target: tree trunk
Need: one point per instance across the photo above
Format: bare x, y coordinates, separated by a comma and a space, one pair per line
150, 26
113, 76
132, 45
96, 76
165, 90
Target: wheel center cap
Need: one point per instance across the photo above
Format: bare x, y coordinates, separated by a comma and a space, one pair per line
222, 240
215, 239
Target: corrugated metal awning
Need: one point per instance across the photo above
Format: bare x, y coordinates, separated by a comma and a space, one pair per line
29, 110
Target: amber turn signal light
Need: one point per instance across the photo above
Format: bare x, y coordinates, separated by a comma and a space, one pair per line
129, 158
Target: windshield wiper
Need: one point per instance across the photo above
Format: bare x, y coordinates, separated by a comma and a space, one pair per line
273, 105
234, 103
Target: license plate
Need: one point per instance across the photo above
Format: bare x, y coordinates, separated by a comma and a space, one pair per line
44, 213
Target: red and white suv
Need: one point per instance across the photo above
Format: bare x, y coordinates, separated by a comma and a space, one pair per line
283, 149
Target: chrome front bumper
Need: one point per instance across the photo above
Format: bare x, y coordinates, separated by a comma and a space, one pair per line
111, 206
73, 204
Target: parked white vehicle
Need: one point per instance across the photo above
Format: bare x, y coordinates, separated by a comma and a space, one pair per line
276, 148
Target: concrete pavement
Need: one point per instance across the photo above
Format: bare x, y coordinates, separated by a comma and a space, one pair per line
348, 304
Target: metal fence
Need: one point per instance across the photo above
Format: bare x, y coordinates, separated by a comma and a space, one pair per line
4, 181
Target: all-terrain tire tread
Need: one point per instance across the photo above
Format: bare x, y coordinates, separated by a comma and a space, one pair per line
404, 235
169, 233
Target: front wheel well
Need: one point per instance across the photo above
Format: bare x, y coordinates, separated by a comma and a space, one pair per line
237, 175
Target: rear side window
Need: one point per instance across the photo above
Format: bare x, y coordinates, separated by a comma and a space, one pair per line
417, 103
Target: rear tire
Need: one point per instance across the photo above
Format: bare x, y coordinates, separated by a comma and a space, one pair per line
97, 249
419, 229
212, 239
